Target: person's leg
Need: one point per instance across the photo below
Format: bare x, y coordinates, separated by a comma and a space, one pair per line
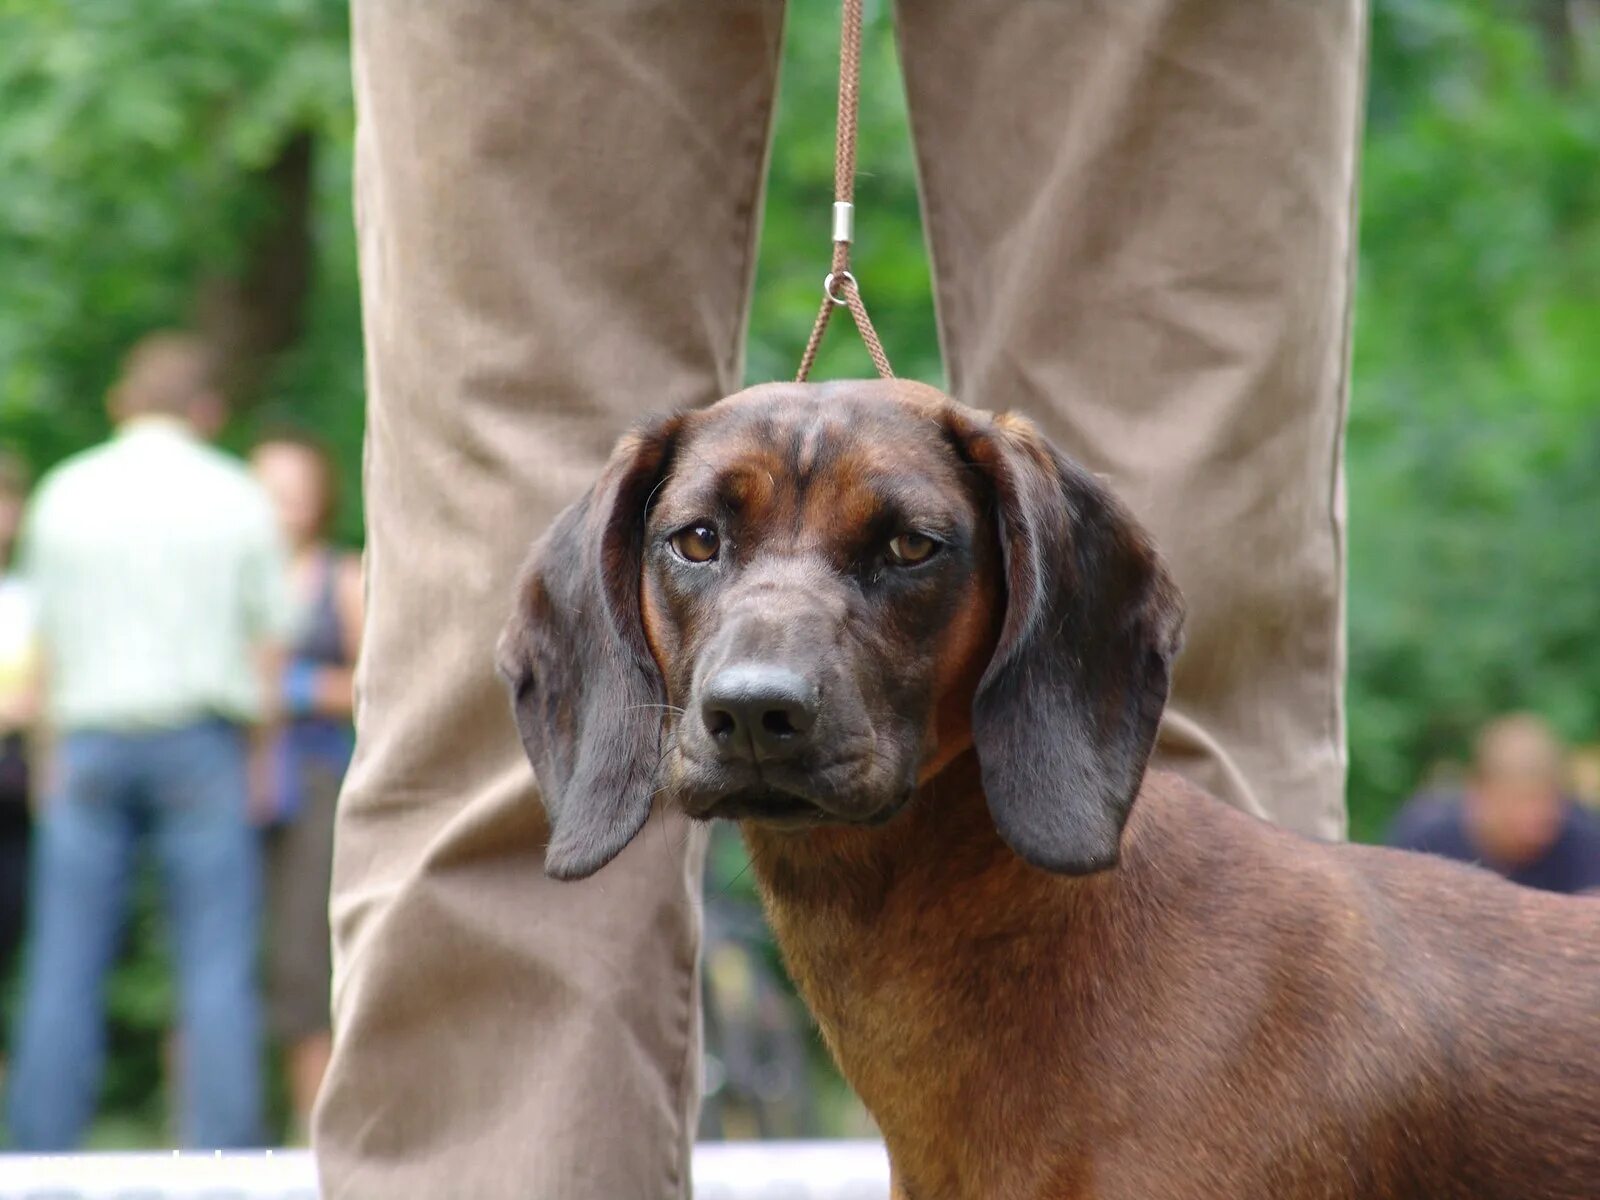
300, 876
15, 852
557, 206
16, 828
210, 871
1141, 218
83, 854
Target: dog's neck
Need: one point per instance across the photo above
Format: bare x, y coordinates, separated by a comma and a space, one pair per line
851, 907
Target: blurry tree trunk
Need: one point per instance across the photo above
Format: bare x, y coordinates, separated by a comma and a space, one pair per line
255, 314
1563, 27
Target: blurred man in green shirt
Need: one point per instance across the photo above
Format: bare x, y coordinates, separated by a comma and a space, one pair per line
159, 580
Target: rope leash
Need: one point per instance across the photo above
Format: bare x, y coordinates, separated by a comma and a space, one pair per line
839, 289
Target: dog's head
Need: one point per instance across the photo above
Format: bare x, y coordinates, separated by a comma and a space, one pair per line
797, 605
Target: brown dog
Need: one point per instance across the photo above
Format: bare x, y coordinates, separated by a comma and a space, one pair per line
922, 657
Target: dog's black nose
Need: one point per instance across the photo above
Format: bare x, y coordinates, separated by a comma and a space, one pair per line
757, 711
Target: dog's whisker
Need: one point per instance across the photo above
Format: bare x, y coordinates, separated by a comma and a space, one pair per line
668, 749
740, 874
665, 479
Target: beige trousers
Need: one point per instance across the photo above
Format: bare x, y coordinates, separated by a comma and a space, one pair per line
1140, 214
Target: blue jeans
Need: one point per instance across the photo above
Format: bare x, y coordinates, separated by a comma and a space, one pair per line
184, 793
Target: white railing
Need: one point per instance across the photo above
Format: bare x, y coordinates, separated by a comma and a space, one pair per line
722, 1171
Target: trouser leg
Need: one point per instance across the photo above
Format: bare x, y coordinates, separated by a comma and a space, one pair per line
557, 205
1141, 219
82, 866
211, 872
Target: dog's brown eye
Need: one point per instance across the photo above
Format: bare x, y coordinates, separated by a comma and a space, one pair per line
696, 544
910, 548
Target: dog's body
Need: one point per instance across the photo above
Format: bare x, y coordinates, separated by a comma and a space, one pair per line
1232, 1012
922, 658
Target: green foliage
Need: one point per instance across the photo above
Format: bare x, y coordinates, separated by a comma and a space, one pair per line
134, 134
131, 137
1474, 435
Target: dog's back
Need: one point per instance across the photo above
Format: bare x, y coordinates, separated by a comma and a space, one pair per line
1507, 981
1412, 1021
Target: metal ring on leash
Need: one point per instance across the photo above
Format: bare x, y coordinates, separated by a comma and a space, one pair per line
827, 287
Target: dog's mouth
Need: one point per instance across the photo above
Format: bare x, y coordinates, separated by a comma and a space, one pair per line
769, 806
786, 795
777, 808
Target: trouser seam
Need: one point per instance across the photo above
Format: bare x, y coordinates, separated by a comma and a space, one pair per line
760, 145
681, 1084
1336, 676
943, 306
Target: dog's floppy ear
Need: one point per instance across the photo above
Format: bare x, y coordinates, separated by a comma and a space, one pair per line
585, 689
1065, 715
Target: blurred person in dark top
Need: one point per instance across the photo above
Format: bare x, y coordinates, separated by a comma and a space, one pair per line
18, 703
311, 752
159, 578
1511, 816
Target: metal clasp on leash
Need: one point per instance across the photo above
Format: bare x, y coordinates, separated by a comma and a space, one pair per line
844, 221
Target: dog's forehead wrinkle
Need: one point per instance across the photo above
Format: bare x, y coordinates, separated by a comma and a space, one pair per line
818, 468
808, 442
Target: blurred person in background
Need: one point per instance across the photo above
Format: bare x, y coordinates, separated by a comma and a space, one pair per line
310, 754
159, 579
1511, 816
18, 699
